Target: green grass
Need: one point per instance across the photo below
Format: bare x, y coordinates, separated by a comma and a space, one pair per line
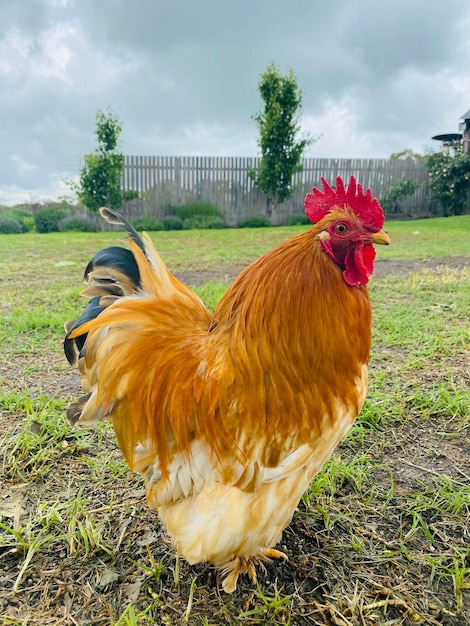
381, 536
414, 239
425, 239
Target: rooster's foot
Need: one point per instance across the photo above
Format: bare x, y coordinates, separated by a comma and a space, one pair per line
247, 565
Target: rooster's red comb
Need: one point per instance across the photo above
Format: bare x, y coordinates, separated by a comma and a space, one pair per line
364, 206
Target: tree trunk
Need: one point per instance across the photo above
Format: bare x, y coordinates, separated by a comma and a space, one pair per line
271, 205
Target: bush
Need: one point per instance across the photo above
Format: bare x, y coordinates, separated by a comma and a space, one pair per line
148, 223
24, 217
47, 218
255, 221
390, 201
298, 218
449, 179
77, 223
129, 195
203, 221
197, 209
216, 222
172, 223
10, 226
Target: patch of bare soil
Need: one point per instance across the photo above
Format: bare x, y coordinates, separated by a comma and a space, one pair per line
382, 268
351, 562
385, 267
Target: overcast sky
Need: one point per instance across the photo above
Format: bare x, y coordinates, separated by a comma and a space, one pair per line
182, 76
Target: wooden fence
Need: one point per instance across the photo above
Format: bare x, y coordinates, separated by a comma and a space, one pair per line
225, 183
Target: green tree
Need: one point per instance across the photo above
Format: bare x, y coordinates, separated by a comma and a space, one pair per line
449, 179
279, 126
100, 176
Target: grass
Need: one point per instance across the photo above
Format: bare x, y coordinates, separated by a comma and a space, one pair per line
381, 537
425, 239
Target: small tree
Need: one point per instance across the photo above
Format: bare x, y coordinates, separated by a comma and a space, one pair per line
100, 176
279, 125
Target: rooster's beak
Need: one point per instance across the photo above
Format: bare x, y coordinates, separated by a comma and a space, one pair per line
380, 237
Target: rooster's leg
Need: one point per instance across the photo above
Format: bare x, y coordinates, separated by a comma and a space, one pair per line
247, 565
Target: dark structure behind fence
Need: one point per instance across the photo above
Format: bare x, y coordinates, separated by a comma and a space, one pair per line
225, 183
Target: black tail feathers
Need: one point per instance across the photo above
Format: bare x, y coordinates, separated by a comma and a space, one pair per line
111, 274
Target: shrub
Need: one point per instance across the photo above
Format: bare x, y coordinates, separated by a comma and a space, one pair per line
203, 221
148, 223
130, 194
298, 218
255, 221
216, 222
449, 179
77, 223
47, 218
24, 217
197, 209
169, 210
172, 223
390, 201
10, 226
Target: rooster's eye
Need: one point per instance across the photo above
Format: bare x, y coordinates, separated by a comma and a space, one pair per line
341, 228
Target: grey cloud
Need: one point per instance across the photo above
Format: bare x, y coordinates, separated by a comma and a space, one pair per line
183, 76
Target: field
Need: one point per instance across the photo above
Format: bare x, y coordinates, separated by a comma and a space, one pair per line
382, 536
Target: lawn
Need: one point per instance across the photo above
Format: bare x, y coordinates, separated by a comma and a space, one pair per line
382, 535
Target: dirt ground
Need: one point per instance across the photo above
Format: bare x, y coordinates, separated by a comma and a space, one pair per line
382, 269
322, 580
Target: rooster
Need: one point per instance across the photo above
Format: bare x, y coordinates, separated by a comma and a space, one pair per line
230, 415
